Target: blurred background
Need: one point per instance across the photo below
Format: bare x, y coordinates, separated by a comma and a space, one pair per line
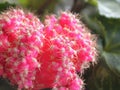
102, 17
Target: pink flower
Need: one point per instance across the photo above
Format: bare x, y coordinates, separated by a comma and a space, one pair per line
36, 56
68, 45
21, 36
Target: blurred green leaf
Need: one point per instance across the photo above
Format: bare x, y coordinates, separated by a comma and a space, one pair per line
112, 29
4, 6
92, 2
102, 78
111, 49
113, 62
41, 7
109, 8
24, 3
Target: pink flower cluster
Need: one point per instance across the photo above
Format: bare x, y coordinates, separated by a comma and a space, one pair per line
21, 36
37, 56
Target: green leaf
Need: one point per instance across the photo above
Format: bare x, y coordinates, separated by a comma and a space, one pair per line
4, 6
37, 4
109, 8
92, 2
24, 3
102, 78
112, 36
111, 50
112, 60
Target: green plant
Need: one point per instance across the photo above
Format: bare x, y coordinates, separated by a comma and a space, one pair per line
105, 22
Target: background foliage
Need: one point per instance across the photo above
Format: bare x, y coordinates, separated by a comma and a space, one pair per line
103, 18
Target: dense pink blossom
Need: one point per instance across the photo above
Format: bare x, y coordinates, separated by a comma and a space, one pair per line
36, 56
68, 47
21, 37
